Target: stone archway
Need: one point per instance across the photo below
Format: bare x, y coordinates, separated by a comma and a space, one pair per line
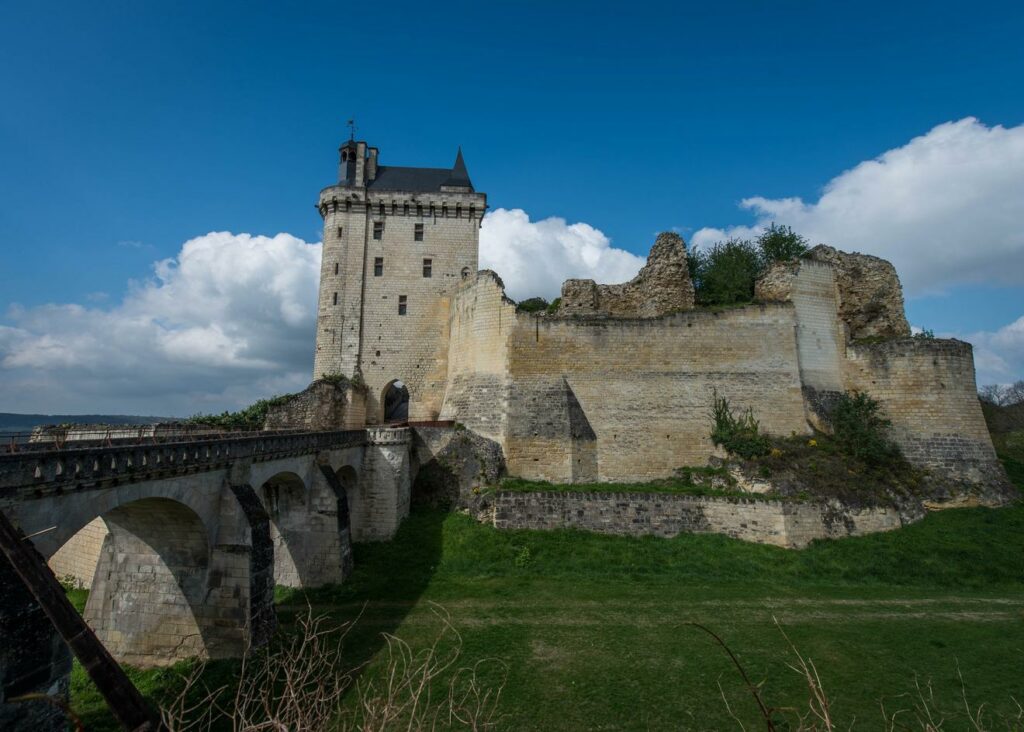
395, 402
285, 497
149, 603
354, 498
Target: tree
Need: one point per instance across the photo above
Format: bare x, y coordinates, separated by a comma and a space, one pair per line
1002, 395
532, 305
780, 244
726, 272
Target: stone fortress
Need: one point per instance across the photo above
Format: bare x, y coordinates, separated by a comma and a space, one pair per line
426, 376
616, 384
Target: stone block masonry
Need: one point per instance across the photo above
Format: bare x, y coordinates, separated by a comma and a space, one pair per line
663, 286
778, 523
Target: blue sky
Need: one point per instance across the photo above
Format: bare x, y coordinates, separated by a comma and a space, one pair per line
127, 129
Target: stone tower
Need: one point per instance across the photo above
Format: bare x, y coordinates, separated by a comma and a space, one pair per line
397, 241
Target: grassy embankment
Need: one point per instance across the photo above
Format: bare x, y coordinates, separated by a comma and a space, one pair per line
594, 629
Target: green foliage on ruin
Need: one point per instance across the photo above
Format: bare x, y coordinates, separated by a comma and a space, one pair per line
725, 272
739, 434
532, 305
780, 244
860, 430
555, 304
250, 418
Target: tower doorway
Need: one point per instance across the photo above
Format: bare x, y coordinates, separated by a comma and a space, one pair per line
396, 402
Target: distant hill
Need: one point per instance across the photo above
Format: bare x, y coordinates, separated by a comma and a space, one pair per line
24, 422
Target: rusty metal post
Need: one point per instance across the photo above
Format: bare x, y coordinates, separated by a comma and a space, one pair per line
124, 700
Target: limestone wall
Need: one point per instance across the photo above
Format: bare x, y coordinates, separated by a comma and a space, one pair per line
819, 332
927, 388
785, 524
644, 388
614, 399
481, 321
77, 559
361, 327
323, 405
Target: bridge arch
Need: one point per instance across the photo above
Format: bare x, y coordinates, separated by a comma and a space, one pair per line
286, 499
354, 499
148, 602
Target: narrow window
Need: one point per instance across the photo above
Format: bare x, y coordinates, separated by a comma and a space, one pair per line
335, 268
419, 209
394, 207
380, 208
378, 230
405, 208
339, 232
378, 266
428, 266
465, 272
335, 298
444, 210
417, 233
458, 210
401, 304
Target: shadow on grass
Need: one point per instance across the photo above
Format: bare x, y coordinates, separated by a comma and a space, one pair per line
386, 584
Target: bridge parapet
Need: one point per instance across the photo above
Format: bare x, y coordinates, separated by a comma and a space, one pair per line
91, 467
387, 435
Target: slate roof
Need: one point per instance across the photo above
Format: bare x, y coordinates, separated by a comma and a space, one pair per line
421, 180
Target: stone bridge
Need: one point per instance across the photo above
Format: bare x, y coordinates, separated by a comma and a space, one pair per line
182, 543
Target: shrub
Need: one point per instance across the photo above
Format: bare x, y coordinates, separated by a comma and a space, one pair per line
926, 334
532, 305
553, 307
780, 244
250, 418
739, 435
860, 430
726, 272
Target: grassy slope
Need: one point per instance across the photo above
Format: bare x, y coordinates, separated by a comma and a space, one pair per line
594, 628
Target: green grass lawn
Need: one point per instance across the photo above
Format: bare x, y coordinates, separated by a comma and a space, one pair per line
595, 630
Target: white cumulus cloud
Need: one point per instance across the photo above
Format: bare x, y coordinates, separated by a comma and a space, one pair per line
228, 320
999, 355
534, 257
947, 208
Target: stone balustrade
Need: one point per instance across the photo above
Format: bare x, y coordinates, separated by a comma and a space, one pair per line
94, 466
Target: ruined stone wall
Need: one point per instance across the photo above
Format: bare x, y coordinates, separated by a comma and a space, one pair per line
870, 294
868, 290
662, 286
323, 405
927, 388
614, 399
779, 523
481, 320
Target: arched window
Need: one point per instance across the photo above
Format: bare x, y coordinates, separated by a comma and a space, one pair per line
465, 272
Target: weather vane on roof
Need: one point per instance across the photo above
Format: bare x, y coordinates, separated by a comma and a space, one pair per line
351, 129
